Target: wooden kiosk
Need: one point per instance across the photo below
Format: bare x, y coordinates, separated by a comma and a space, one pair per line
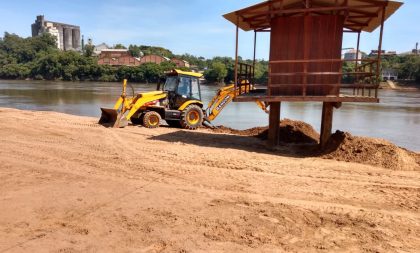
305, 54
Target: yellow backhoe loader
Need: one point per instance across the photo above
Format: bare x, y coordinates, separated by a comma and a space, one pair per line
178, 102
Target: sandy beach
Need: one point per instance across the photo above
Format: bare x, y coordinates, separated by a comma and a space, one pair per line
71, 185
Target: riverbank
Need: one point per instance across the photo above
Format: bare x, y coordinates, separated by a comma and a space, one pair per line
400, 85
69, 184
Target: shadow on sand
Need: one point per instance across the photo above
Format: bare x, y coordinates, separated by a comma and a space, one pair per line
245, 143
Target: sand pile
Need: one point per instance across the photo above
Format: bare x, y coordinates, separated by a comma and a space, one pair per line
294, 131
291, 131
341, 146
345, 147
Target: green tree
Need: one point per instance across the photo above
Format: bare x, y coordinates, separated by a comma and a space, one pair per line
148, 50
119, 46
347, 68
137, 75
15, 71
125, 72
199, 62
88, 50
46, 42
151, 72
216, 73
107, 73
20, 50
167, 66
134, 50
48, 67
409, 67
261, 72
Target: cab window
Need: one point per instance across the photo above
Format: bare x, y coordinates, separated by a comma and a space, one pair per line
184, 87
195, 89
170, 84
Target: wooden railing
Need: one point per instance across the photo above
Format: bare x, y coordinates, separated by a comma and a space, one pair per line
364, 75
245, 78
363, 84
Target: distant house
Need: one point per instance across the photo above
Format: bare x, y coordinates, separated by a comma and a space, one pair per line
383, 53
352, 54
98, 48
195, 68
117, 57
180, 63
412, 52
153, 59
389, 74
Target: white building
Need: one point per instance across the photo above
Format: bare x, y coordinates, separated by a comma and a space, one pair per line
51, 29
99, 48
68, 36
352, 54
389, 74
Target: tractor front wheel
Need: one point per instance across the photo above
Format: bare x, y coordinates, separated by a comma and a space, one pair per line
151, 119
192, 117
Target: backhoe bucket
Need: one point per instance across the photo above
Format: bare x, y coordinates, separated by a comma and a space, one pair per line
111, 118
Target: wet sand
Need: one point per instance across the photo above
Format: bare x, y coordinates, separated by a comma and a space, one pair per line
71, 185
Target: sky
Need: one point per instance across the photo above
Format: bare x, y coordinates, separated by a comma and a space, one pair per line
183, 26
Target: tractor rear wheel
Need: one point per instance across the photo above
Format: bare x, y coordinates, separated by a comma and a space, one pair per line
151, 119
192, 117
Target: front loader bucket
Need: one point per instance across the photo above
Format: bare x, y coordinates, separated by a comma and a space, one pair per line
111, 118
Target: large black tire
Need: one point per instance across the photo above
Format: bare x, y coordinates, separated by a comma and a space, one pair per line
192, 117
151, 119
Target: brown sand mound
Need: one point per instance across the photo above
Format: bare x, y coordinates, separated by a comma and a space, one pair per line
341, 146
291, 131
345, 147
294, 131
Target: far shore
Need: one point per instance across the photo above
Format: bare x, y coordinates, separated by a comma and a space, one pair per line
402, 86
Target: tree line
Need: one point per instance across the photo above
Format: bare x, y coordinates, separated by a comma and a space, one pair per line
407, 67
38, 58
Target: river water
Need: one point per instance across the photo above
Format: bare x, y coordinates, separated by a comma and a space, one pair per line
395, 118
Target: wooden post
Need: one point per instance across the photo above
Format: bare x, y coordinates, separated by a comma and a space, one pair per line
326, 122
306, 48
357, 56
236, 53
253, 63
274, 122
378, 66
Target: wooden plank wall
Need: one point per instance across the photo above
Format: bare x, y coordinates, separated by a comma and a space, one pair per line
305, 38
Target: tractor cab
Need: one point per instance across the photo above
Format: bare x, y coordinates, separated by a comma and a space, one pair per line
181, 87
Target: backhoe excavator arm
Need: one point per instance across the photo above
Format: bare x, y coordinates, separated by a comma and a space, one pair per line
223, 97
